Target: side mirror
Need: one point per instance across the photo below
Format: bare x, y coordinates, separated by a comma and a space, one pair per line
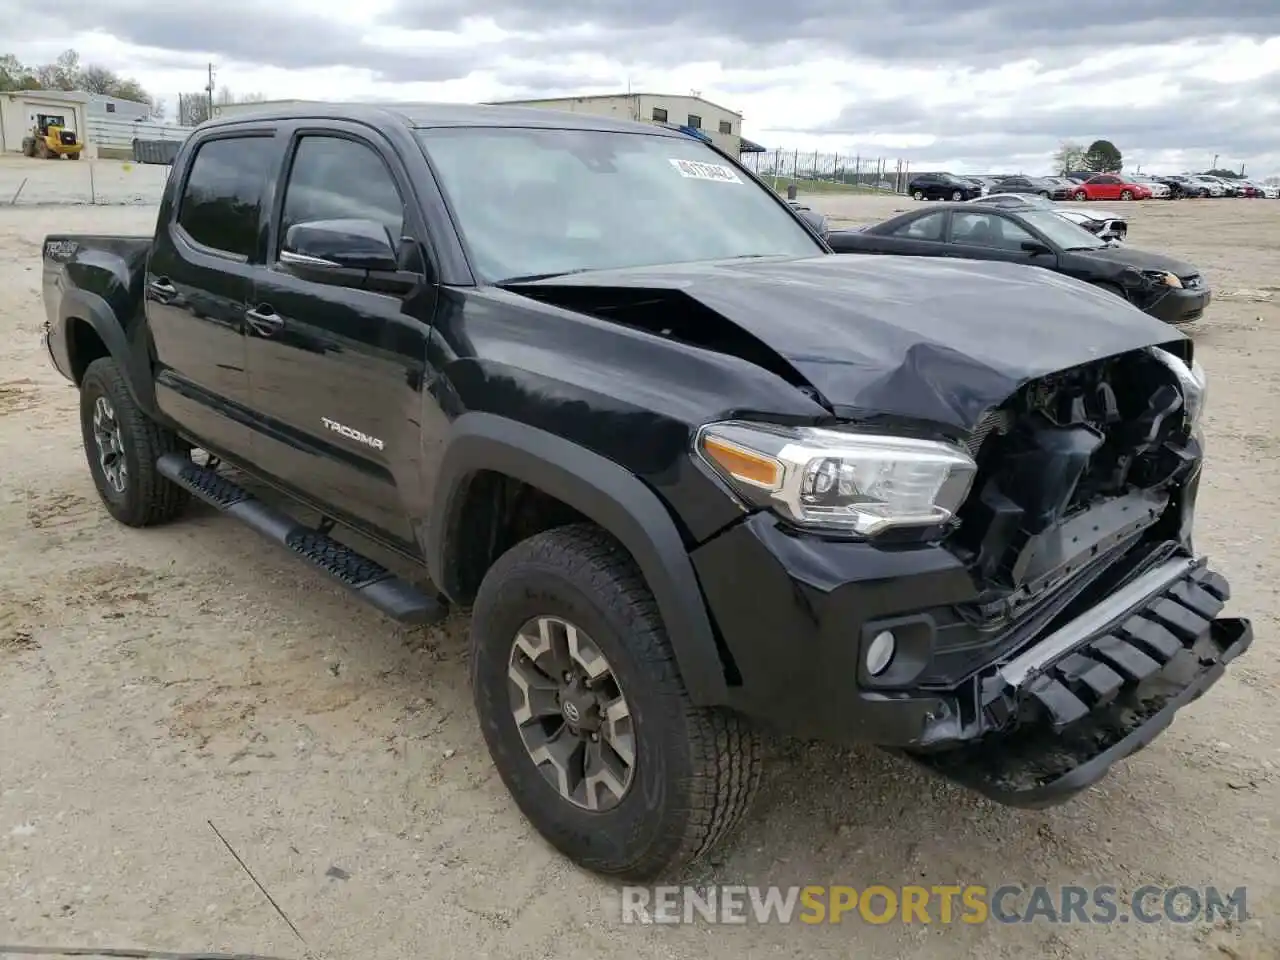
340, 244
1035, 248
816, 221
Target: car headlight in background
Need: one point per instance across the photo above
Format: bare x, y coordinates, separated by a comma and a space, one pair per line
1162, 277
1192, 381
837, 480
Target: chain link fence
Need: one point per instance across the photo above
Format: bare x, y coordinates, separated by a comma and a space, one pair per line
26, 182
807, 168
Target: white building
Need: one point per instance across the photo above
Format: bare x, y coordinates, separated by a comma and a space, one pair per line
100, 105
19, 110
719, 124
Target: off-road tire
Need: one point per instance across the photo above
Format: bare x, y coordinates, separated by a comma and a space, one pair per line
149, 499
697, 769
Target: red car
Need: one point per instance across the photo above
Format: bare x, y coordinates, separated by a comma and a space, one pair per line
1111, 186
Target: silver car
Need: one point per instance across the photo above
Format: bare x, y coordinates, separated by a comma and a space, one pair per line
1103, 224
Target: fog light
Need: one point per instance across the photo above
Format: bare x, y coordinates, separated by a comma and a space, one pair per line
880, 652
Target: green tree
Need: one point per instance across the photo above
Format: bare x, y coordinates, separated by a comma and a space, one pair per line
1069, 157
67, 73
1103, 156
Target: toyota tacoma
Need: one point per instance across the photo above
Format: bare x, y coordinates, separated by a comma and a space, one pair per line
694, 475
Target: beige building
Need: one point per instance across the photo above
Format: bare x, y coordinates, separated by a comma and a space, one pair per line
20, 109
720, 124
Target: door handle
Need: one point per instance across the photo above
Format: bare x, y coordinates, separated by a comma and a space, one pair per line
162, 289
265, 321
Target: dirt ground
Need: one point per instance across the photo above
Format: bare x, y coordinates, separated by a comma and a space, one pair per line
151, 682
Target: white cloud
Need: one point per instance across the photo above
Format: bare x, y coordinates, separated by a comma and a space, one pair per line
1169, 106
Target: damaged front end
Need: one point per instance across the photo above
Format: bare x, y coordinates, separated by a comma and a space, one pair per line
1103, 622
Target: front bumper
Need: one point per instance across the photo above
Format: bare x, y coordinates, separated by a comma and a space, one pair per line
1027, 713
1179, 305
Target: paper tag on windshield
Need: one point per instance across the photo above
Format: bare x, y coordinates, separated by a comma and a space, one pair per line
697, 170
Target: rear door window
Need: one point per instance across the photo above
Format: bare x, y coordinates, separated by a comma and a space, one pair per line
222, 197
928, 227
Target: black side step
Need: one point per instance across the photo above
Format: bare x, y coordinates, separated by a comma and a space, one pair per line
367, 579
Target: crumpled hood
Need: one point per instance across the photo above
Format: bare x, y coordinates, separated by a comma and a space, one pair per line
1090, 213
1140, 259
923, 338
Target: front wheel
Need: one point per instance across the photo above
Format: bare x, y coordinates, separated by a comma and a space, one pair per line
1126, 194
1081, 195
1044, 194
122, 445
957, 195
587, 719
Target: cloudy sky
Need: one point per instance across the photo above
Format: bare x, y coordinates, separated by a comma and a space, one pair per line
963, 84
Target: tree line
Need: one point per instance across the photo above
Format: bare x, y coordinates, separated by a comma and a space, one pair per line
1102, 156
67, 73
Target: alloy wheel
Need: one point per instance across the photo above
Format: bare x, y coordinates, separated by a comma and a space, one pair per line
571, 713
106, 435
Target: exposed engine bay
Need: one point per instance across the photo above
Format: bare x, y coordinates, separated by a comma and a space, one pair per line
1072, 468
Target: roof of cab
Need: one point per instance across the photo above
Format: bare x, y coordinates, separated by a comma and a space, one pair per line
424, 115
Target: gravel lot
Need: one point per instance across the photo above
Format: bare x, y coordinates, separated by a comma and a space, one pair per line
153, 681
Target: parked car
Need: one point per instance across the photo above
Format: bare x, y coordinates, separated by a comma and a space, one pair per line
1159, 189
942, 186
987, 182
1101, 223
1180, 186
1065, 182
1209, 186
1229, 187
1169, 289
729, 479
1270, 191
1036, 186
1111, 186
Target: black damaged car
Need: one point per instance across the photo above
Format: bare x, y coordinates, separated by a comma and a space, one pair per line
1169, 289
693, 475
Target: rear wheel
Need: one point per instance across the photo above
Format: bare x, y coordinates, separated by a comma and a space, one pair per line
917, 194
587, 719
122, 445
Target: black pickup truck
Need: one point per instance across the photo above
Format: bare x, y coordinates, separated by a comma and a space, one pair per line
694, 475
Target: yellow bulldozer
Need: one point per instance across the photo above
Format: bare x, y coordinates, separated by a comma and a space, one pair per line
50, 139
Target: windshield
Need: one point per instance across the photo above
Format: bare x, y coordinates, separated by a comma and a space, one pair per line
1063, 233
532, 202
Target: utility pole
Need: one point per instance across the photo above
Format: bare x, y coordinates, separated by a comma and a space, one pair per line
209, 90
1215, 162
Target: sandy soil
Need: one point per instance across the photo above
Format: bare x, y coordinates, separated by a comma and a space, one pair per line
153, 681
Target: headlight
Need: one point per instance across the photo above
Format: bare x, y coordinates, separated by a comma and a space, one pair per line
1162, 277
837, 480
1192, 381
